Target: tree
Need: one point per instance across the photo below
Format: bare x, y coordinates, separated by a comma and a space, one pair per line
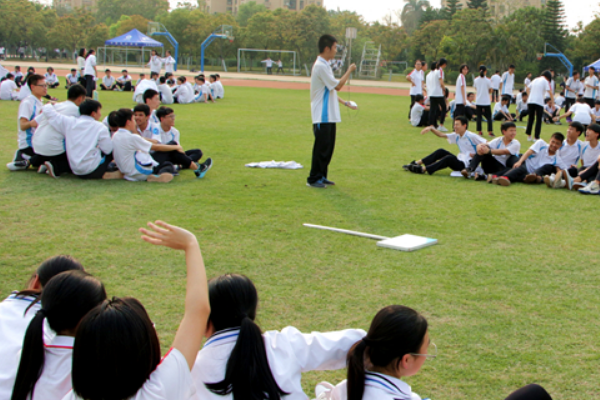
432, 14
110, 11
247, 10
427, 39
392, 38
452, 6
474, 4
583, 51
554, 24
411, 14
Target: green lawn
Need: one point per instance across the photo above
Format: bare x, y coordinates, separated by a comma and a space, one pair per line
510, 292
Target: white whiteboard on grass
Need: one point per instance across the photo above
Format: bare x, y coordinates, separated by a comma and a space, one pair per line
407, 242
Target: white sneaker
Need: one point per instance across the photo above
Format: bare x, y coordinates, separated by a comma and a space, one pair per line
592, 188
42, 169
529, 139
549, 180
442, 128
18, 165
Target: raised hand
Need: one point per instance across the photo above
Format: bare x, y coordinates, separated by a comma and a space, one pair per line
163, 234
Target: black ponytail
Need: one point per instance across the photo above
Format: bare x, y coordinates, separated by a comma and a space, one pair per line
66, 299
395, 331
482, 70
248, 376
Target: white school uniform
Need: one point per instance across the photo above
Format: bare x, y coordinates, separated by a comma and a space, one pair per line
571, 154
155, 64
460, 83
559, 101
323, 96
582, 113
550, 110
185, 94
377, 387
268, 63
527, 82
171, 135
498, 144
540, 157
108, 81
167, 95
171, 380
521, 106
430, 82
436, 90
154, 118
289, 352
499, 107
85, 139
47, 141
575, 86
73, 79
218, 89
482, 85
590, 93
169, 64
537, 94
51, 79
90, 63
417, 79
140, 89
416, 113
24, 92
467, 144
8, 90
589, 154
596, 113
81, 64
13, 324
124, 79
495, 79
55, 381
29, 108
132, 155
508, 83
152, 131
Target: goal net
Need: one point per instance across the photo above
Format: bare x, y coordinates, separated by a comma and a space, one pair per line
255, 61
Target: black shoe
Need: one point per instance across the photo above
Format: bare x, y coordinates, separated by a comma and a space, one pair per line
327, 182
112, 167
318, 185
206, 165
406, 167
466, 173
415, 168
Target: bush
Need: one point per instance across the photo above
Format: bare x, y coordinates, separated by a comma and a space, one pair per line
451, 77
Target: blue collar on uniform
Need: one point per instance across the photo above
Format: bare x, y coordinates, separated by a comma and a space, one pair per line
224, 336
389, 384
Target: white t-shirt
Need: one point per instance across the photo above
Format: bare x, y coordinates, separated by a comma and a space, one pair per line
123, 79
508, 83
498, 144
268, 63
167, 95
527, 82
436, 89
596, 113
8, 90
539, 87
377, 387
570, 154
73, 78
90, 63
50, 78
323, 96
169, 64
417, 79
589, 154
551, 110
47, 141
559, 101
521, 105
152, 131
29, 108
590, 93
24, 92
85, 138
155, 64
80, 63
575, 85
171, 380
132, 155
416, 113
219, 91
108, 81
499, 107
171, 135
55, 381
540, 157
581, 113
289, 353
482, 85
460, 83
185, 94
467, 144
496, 81
140, 89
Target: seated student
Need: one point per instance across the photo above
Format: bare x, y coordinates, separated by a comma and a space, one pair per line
116, 342
588, 181
124, 82
166, 95
154, 77
142, 77
470, 107
580, 112
238, 361
17, 311
551, 110
590, 152
145, 127
132, 152
220, 93
570, 153
596, 112
419, 114
170, 135
522, 107
152, 99
501, 112
560, 100
204, 93
18, 76
88, 144
541, 159
141, 87
397, 345
466, 141
185, 92
44, 370
51, 79
497, 155
108, 81
48, 143
216, 87
29, 108
72, 78
8, 88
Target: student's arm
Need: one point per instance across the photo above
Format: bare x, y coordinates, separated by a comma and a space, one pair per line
25, 124
524, 157
346, 103
408, 78
197, 307
565, 115
344, 78
167, 147
435, 132
104, 141
59, 122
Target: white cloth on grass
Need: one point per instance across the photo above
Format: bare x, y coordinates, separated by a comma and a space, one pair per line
275, 164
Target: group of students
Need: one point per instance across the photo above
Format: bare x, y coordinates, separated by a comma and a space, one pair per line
561, 163
13, 85
63, 338
70, 137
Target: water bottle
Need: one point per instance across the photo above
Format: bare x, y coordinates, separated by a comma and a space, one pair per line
95, 95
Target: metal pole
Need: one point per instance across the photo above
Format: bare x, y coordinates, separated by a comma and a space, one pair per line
347, 232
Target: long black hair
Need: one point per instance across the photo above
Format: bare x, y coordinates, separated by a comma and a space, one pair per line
66, 299
394, 332
482, 70
233, 303
116, 349
82, 53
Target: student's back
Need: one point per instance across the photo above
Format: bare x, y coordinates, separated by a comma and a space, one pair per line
48, 141
166, 94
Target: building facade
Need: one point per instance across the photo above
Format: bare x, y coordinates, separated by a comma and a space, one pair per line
503, 8
232, 6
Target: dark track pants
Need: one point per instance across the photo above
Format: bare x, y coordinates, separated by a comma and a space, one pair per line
536, 113
441, 159
485, 111
322, 151
490, 164
530, 392
519, 174
60, 163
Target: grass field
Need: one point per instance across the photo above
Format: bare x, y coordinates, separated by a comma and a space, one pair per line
510, 292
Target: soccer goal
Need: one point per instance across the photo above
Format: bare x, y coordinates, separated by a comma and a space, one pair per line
251, 61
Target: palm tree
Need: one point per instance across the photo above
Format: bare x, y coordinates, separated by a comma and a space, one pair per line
411, 14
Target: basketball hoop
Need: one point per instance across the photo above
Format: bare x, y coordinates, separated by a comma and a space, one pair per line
539, 56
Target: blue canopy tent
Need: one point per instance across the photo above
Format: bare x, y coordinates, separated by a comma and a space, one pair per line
595, 64
133, 38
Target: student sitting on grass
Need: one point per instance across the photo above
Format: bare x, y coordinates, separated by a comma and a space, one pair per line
204, 93
216, 87
419, 113
108, 81
397, 345
8, 88
17, 311
596, 112
145, 127
117, 352
45, 367
124, 81
238, 361
591, 175
151, 98
497, 155
580, 112
466, 141
570, 153
522, 108
541, 159
51, 78
590, 152
501, 112
551, 110
184, 93
166, 95
72, 78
